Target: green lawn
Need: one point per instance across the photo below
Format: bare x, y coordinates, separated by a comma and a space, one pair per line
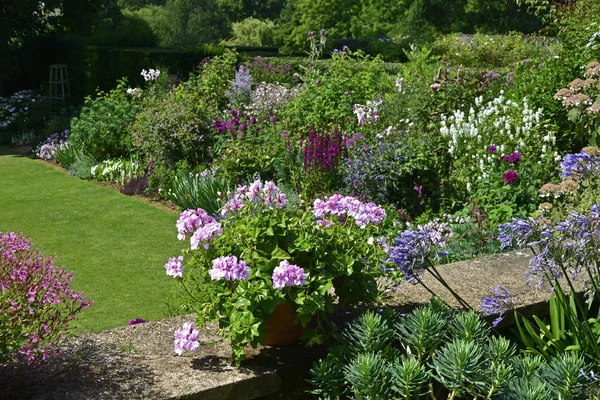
116, 245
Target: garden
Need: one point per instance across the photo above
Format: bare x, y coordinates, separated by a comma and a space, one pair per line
260, 198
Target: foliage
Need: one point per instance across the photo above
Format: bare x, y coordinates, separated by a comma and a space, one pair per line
22, 111
566, 249
201, 190
36, 299
252, 32
492, 51
189, 23
497, 155
389, 356
326, 97
117, 170
263, 237
175, 127
102, 126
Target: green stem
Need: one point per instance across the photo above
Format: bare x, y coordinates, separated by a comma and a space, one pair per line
440, 279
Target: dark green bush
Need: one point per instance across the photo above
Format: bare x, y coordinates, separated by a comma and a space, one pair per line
102, 126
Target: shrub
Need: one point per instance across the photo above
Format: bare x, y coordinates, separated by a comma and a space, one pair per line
252, 32
22, 111
102, 126
492, 50
193, 191
437, 352
37, 303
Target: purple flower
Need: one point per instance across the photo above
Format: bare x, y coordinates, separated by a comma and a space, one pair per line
323, 32
336, 51
234, 113
272, 118
492, 149
229, 268
287, 274
510, 177
175, 267
252, 121
513, 158
345, 49
419, 190
414, 248
435, 86
311, 34
136, 321
501, 301
186, 338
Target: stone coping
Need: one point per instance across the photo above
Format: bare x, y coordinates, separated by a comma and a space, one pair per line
138, 361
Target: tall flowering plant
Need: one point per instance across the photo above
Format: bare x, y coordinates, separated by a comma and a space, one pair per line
260, 253
37, 303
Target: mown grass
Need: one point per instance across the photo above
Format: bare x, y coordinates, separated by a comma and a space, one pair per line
116, 245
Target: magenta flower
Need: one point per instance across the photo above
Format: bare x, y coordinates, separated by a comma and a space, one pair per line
205, 234
510, 177
175, 267
513, 158
136, 321
342, 206
186, 338
287, 274
191, 220
229, 268
492, 149
272, 118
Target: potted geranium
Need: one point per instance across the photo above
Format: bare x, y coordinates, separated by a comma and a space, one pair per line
263, 256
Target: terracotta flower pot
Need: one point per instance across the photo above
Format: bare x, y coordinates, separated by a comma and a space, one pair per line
281, 328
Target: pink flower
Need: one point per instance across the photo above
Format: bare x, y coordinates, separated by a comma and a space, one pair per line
175, 267
229, 268
186, 338
287, 274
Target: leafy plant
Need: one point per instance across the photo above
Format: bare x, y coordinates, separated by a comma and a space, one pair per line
102, 126
270, 254
201, 190
36, 300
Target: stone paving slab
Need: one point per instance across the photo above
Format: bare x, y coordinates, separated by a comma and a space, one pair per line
138, 362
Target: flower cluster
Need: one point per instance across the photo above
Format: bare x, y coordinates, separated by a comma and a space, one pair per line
241, 88
174, 267
150, 75
511, 158
368, 113
510, 177
14, 110
501, 301
237, 125
346, 206
267, 194
322, 151
267, 98
52, 145
287, 274
229, 268
133, 91
202, 227
414, 248
568, 247
36, 298
186, 338
502, 125
579, 164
